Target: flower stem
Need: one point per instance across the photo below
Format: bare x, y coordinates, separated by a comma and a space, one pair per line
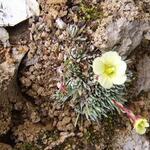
125, 110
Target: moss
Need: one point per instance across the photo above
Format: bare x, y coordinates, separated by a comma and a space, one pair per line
90, 12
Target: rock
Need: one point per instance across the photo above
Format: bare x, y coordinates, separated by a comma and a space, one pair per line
143, 69
63, 136
65, 124
9, 91
69, 127
147, 35
35, 117
56, 1
66, 120
60, 24
49, 127
4, 36
60, 127
28, 132
32, 51
122, 28
127, 34
126, 141
5, 146
16, 11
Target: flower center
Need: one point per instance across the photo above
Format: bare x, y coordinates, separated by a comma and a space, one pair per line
109, 70
141, 124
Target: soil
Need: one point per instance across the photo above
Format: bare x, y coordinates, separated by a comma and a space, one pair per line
38, 121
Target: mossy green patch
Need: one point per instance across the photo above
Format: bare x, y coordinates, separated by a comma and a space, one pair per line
90, 12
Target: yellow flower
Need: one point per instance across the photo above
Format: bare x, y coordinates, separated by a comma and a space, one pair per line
110, 68
140, 125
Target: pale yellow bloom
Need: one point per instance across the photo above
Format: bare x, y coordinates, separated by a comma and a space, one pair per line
140, 125
110, 68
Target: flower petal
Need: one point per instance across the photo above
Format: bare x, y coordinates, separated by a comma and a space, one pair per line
98, 66
147, 124
119, 79
121, 68
105, 82
111, 57
140, 130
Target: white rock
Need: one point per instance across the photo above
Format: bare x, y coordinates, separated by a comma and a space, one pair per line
13, 12
60, 23
4, 36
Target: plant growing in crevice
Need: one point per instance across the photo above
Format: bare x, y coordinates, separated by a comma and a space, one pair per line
91, 96
87, 97
90, 81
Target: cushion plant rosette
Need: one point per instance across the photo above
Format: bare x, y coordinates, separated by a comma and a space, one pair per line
98, 89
